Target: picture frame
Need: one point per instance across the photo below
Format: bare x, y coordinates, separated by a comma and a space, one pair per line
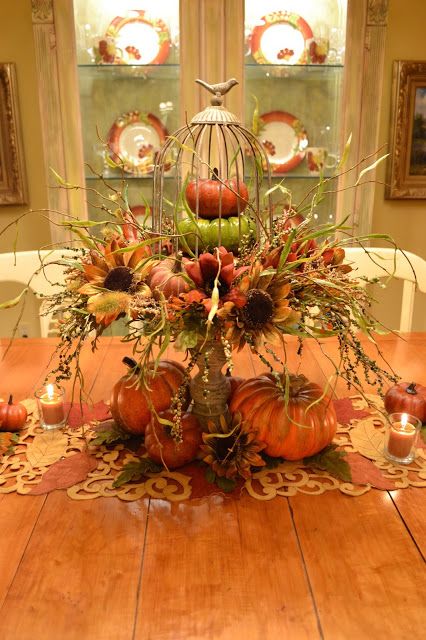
13, 189
406, 168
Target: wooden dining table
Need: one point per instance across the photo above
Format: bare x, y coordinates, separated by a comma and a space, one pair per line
330, 566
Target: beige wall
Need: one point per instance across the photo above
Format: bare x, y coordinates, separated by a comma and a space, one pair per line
17, 45
404, 220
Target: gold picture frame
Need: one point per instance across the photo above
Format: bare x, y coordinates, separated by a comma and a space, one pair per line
12, 168
406, 174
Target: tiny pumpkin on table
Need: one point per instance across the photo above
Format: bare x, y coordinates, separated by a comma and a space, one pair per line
408, 397
13, 416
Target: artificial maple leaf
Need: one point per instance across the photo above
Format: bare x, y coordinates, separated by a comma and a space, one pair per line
47, 448
79, 414
65, 473
345, 411
365, 472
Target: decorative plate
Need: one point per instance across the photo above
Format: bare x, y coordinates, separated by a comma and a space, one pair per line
284, 139
134, 140
134, 39
281, 39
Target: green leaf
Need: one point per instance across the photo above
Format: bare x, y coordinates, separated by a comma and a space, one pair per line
332, 460
210, 475
186, 340
226, 484
135, 470
112, 434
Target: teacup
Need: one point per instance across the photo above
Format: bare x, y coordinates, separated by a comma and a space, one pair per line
317, 50
318, 159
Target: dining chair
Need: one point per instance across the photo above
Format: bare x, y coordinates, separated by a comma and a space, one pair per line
378, 262
41, 271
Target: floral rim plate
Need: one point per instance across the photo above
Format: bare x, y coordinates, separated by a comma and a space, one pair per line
134, 140
284, 138
135, 39
281, 39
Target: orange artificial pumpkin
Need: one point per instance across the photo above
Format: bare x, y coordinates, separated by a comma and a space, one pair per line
163, 448
230, 197
131, 404
12, 416
168, 277
293, 431
407, 397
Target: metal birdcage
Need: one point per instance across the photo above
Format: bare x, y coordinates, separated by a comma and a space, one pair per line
219, 167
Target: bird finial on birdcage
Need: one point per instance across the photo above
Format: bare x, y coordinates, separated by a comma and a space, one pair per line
218, 89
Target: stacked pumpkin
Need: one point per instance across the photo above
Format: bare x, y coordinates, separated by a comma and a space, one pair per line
219, 206
146, 411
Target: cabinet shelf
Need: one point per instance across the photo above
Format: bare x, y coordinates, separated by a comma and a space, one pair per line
303, 72
123, 179
117, 71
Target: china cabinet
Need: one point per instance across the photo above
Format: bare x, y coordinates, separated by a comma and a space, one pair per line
308, 70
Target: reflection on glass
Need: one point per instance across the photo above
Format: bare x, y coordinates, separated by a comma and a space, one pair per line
294, 65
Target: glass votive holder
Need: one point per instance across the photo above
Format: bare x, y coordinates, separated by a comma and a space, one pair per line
50, 402
402, 431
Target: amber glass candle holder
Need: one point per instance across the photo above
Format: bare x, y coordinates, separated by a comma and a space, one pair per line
50, 401
402, 431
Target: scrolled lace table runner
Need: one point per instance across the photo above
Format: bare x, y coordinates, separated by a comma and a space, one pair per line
42, 461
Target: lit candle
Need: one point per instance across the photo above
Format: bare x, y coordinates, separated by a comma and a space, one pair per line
51, 406
402, 436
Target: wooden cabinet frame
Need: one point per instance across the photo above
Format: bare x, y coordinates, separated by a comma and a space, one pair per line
214, 51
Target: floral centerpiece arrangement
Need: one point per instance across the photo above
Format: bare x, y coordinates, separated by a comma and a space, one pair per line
248, 285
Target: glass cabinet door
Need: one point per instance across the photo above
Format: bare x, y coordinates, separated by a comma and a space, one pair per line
129, 84
294, 63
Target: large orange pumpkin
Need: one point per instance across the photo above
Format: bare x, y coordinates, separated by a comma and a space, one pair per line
131, 404
163, 448
292, 430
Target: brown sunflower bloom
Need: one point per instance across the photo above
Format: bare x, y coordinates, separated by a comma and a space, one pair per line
266, 312
112, 278
232, 451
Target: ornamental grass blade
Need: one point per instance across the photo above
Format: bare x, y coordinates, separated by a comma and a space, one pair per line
371, 167
9, 304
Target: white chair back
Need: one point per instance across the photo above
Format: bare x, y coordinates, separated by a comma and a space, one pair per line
378, 262
21, 266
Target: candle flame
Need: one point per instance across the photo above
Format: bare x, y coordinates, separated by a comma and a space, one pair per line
50, 391
404, 420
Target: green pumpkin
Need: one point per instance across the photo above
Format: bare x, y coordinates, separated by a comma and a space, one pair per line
208, 232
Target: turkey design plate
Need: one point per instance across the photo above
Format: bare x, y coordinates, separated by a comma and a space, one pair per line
135, 39
134, 140
284, 139
281, 39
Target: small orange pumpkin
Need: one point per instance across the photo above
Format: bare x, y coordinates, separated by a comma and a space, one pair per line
163, 448
131, 404
292, 430
169, 277
208, 196
13, 416
407, 397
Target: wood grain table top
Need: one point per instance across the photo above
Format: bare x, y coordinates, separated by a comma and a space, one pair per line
329, 567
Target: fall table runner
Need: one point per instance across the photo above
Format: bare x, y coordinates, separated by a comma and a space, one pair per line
35, 461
